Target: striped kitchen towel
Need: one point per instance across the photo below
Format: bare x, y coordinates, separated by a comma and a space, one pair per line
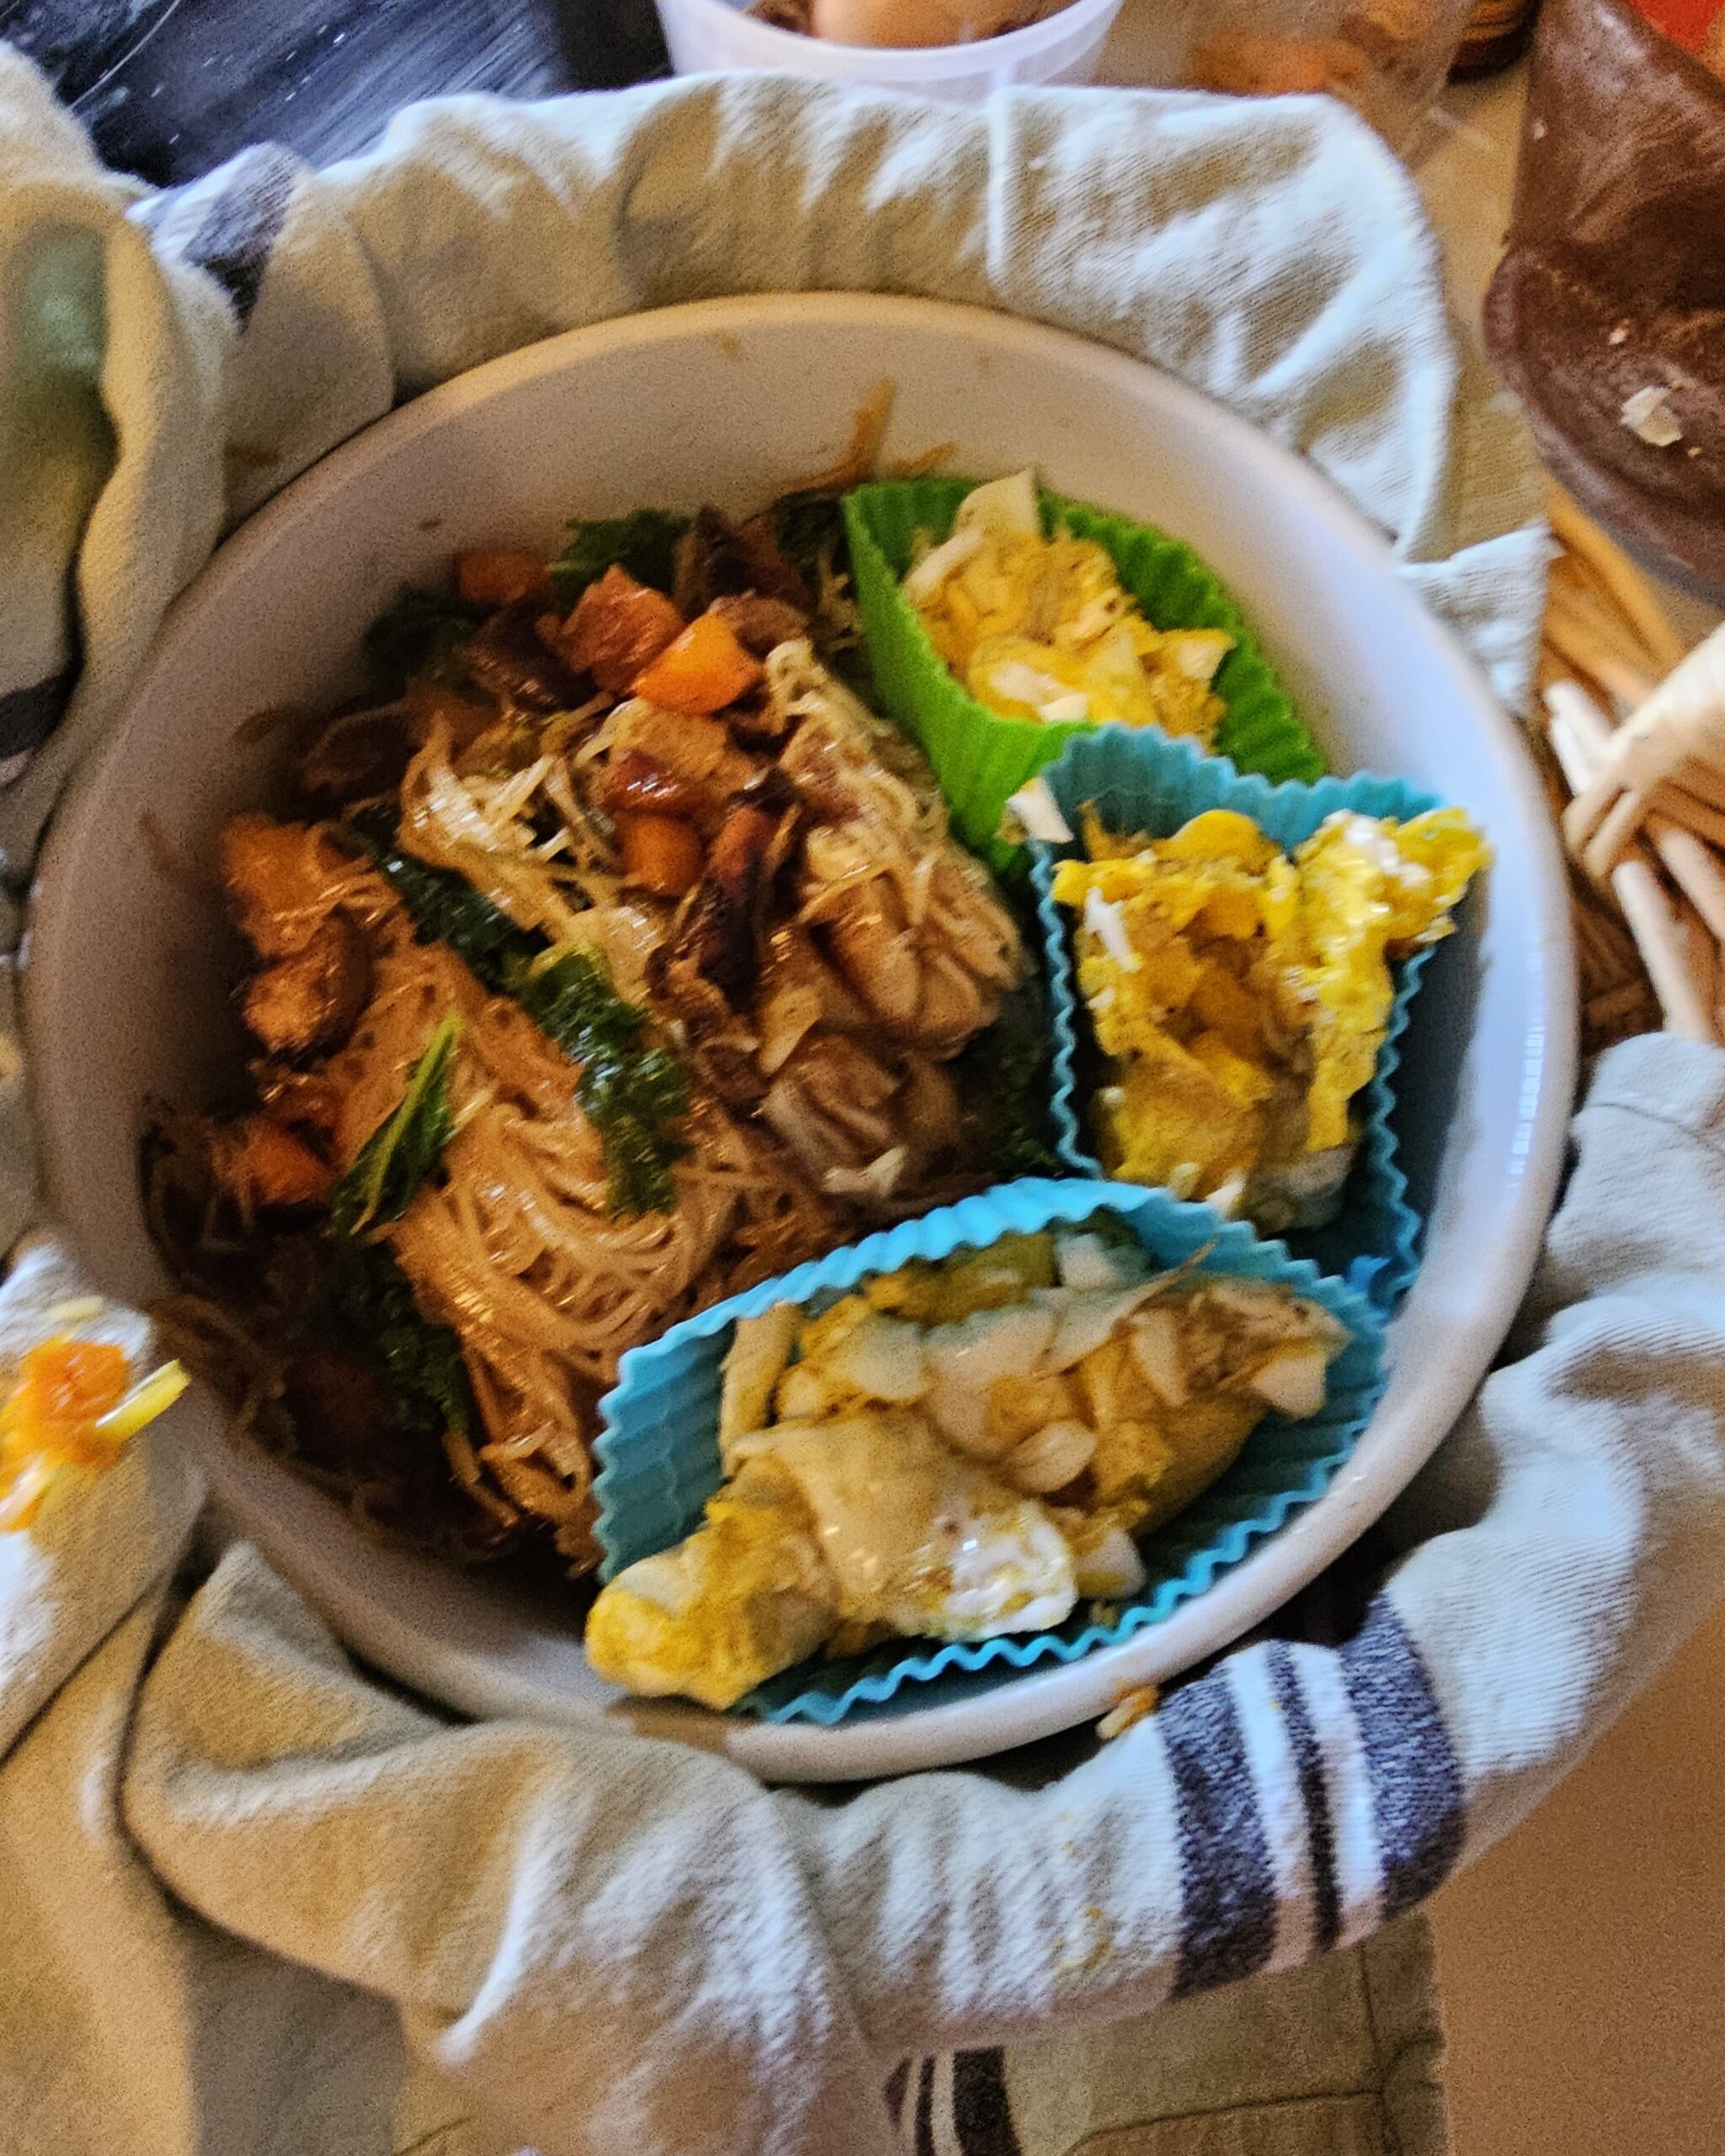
235, 1869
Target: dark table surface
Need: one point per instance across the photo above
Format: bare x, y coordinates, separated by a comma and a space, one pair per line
170, 88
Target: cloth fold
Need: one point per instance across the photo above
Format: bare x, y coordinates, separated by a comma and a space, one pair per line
1275, 256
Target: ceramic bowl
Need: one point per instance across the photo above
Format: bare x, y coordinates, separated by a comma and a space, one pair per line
730, 401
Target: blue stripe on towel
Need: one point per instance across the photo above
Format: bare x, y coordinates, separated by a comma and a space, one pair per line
1418, 1807
232, 241
1228, 1923
923, 2144
1309, 1767
982, 2116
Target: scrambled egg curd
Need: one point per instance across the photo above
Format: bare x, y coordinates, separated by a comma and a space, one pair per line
1040, 628
954, 1451
1240, 996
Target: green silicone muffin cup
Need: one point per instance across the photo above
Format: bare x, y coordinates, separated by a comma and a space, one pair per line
980, 759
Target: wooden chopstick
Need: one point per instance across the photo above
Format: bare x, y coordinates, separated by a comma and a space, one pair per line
1702, 781
1628, 588
1584, 656
1669, 800
1693, 865
1579, 732
1578, 609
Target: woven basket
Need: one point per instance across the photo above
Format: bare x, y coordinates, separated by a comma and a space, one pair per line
1604, 630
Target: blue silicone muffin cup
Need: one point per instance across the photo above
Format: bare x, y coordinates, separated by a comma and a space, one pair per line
1139, 783
658, 1449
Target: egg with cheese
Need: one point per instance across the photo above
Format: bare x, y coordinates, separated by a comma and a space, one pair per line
1038, 625
957, 1450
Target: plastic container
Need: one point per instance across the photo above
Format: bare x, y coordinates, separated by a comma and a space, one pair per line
658, 1452
1387, 58
717, 37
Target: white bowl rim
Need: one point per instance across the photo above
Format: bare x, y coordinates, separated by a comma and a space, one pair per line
1402, 1435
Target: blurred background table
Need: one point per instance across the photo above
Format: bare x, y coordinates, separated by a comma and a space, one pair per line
1584, 1960
170, 88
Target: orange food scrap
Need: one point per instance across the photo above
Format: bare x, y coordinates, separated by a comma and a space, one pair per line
1130, 1708
68, 1407
70, 1381
500, 576
660, 853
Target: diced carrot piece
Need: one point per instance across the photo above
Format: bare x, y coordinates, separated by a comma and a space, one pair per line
705, 670
619, 626
660, 853
500, 576
269, 1166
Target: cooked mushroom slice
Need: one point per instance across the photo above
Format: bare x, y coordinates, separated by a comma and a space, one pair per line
635, 784
831, 1103
508, 655
716, 930
799, 991
359, 754
759, 623
718, 559
306, 1004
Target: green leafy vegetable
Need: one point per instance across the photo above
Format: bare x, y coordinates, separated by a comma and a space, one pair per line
628, 1093
811, 531
810, 528
422, 633
571, 998
444, 907
644, 543
405, 1148
366, 1306
1003, 1074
